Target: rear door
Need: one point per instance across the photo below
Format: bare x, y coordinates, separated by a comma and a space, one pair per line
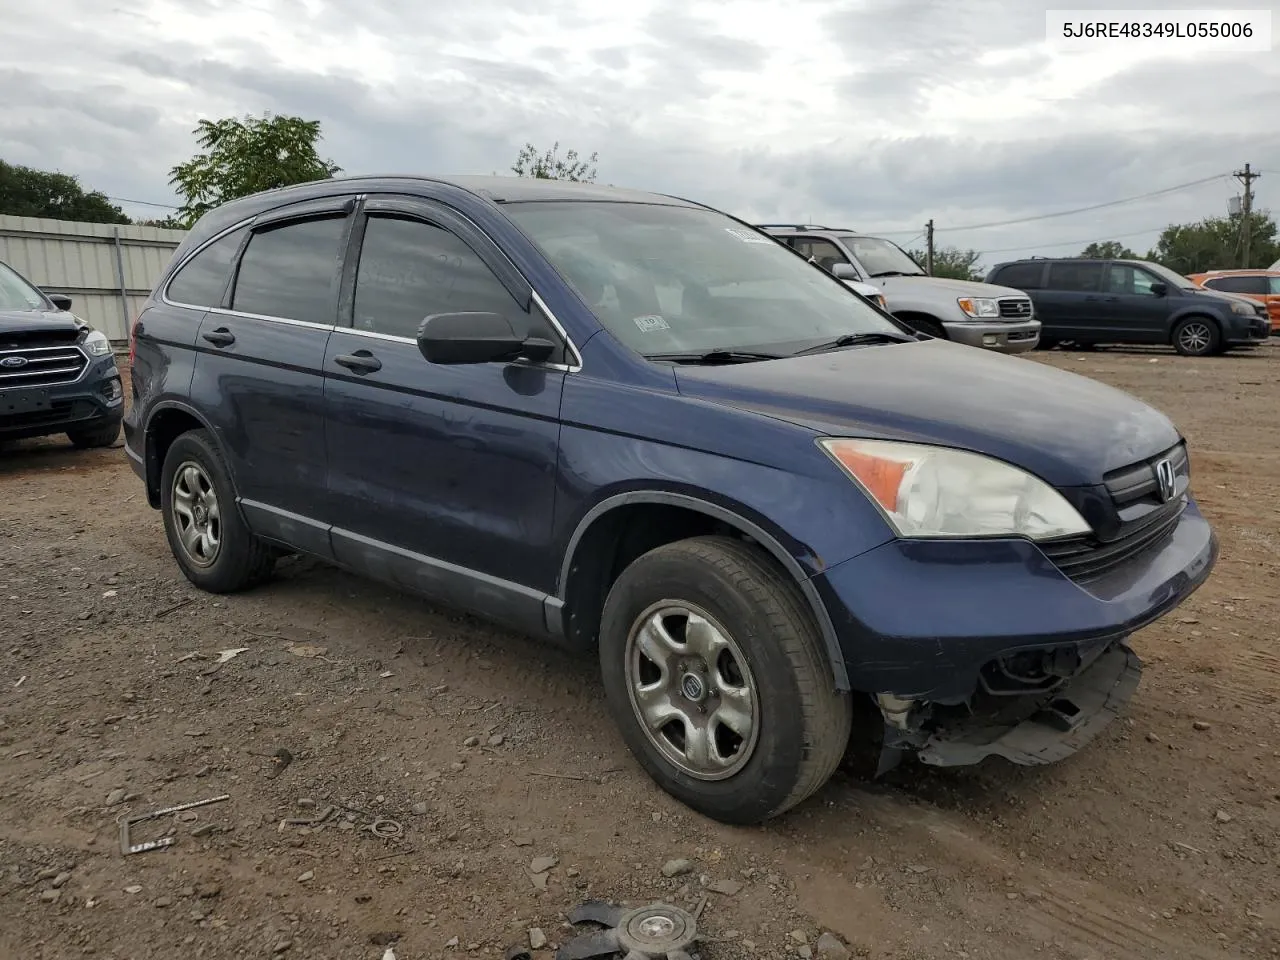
1073, 307
259, 376
442, 477
1273, 301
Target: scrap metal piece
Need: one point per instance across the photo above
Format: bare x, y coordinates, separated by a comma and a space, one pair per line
517, 951
127, 847
386, 828
658, 931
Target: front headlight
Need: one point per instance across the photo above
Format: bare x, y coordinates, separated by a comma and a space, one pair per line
884, 304
97, 344
927, 491
1243, 309
979, 307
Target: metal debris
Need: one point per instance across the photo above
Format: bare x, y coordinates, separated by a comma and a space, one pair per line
127, 847
656, 932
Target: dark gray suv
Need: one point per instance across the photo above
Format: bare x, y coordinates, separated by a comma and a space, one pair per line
1087, 302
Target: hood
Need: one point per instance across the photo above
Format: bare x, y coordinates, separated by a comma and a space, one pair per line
957, 288
1220, 296
38, 321
1067, 429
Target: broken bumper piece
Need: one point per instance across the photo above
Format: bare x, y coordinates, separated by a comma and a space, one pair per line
1071, 717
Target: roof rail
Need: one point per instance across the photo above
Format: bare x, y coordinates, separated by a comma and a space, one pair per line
799, 226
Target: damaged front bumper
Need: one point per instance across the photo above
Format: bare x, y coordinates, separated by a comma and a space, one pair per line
1026, 728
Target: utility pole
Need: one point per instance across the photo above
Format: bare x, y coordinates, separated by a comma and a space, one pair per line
1246, 176
928, 262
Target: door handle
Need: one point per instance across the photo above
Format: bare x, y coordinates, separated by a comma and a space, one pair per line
362, 361
222, 337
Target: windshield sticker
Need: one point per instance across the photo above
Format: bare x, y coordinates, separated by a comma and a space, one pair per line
651, 323
747, 237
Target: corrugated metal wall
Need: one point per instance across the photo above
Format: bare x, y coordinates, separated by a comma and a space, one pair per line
83, 260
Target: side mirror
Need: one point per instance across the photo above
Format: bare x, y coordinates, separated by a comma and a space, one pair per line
452, 338
845, 271
59, 300
1159, 289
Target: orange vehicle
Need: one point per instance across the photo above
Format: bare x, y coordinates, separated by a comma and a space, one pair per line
1260, 285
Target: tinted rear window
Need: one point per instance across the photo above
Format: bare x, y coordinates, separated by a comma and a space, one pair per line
202, 280
291, 271
1020, 276
1238, 284
1076, 276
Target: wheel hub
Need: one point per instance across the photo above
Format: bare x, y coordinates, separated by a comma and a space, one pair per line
693, 687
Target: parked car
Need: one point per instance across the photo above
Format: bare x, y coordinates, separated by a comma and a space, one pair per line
57, 373
1260, 285
1088, 302
976, 314
640, 427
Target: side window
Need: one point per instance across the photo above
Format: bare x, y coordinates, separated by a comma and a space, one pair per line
1021, 276
410, 269
1274, 288
202, 280
1238, 284
824, 251
1126, 279
291, 271
1075, 276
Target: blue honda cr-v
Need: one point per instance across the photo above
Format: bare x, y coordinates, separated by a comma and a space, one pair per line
638, 426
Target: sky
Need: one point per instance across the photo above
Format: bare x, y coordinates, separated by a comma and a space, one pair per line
875, 115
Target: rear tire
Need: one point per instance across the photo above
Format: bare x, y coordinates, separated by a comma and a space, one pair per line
1197, 337
773, 728
214, 548
101, 436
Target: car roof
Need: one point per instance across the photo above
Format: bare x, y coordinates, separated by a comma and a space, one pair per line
1243, 271
491, 189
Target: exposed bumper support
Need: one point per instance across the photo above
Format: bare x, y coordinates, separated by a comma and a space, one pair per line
1068, 719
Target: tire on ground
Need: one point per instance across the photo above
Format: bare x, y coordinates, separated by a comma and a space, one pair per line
803, 722
1206, 346
101, 436
242, 560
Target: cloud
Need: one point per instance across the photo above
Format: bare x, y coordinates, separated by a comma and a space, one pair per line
879, 113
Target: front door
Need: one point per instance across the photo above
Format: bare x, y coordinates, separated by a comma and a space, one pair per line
1141, 315
442, 477
259, 376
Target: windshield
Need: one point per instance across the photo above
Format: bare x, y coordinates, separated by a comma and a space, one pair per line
1170, 277
881, 257
677, 280
16, 293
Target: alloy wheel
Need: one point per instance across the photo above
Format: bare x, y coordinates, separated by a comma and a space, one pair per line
196, 514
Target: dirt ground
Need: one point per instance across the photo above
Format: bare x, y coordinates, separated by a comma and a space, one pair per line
516, 797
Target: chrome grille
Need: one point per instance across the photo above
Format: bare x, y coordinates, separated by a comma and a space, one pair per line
41, 366
1015, 308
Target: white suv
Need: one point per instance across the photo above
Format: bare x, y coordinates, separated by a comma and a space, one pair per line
977, 314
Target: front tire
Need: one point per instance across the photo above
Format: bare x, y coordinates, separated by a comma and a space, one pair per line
1196, 337
718, 679
214, 548
103, 435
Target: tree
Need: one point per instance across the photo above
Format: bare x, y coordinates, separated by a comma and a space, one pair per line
1215, 244
550, 166
27, 192
1108, 250
951, 262
242, 157
164, 223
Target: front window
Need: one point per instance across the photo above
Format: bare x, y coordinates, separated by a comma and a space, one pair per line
882, 258
1176, 281
677, 280
16, 293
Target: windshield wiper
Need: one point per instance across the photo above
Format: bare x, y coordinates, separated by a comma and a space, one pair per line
853, 340
715, 356
896, 273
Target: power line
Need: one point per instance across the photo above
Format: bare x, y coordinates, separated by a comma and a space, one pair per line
1065, 213
1072, 243
145, 203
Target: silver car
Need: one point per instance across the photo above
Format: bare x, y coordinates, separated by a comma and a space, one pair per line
977, 314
